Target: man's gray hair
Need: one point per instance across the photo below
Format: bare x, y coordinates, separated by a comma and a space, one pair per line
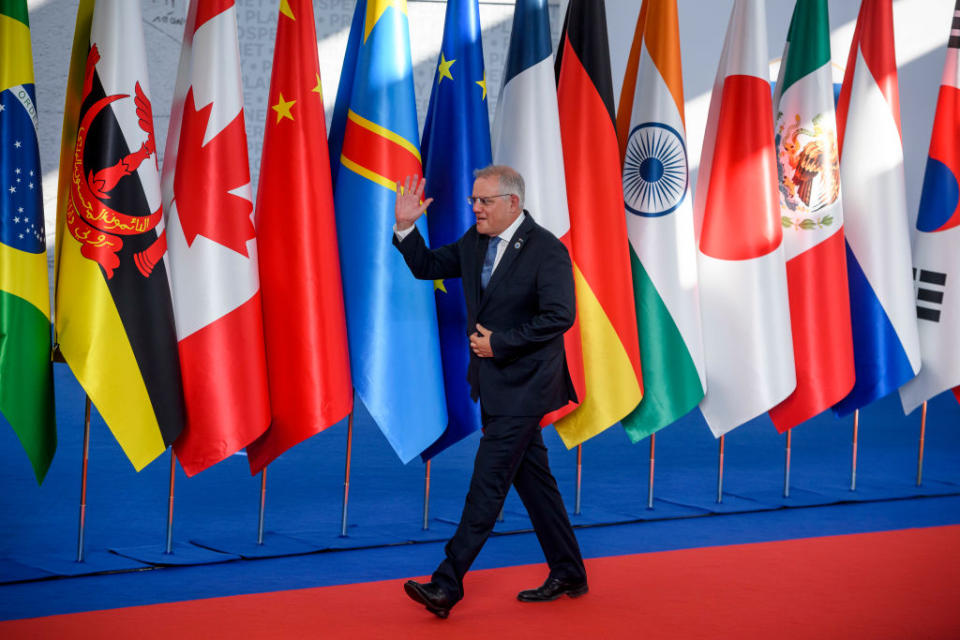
510, 180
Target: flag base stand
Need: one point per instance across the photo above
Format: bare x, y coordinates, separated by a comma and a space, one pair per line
382, 534
95, 561
180, 555
274, 545
799, 497
702, 505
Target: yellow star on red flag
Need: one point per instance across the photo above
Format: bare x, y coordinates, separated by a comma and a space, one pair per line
283, 108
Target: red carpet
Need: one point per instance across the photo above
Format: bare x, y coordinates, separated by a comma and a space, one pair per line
893, 584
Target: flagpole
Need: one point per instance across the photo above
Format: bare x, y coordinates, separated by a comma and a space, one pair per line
346, 477
263, 502
83, 477
653, 442
720, 472
168, 549
853, 467
426, 497
786, 467
923, 433
576, 508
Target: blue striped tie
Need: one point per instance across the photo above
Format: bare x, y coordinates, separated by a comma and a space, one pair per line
488, 261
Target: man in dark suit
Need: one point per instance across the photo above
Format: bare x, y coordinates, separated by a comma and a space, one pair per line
518, 285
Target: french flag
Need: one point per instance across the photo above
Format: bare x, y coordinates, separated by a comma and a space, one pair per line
886, 346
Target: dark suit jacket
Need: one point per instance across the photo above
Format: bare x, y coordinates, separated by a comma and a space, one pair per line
527, 305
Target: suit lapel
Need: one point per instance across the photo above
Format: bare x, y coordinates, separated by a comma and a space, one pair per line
510, 255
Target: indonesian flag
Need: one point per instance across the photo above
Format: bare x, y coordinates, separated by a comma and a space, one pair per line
212, 245
526, 136
936, 243
663, 254
606, 315
811, 213
743, 278
306, 332
886, 345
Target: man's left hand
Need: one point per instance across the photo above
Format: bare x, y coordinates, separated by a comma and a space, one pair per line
480, 342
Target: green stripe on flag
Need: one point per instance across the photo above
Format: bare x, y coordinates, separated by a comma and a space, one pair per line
26, 395
809, 39
16, 9
671, 386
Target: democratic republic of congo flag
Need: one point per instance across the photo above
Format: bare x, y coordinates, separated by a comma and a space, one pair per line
26, 373
811, 214
656, 195
886, 343
743, 280
391, 317
936, 243
114, 318
456, 140
606, 315
308, 365
526, 136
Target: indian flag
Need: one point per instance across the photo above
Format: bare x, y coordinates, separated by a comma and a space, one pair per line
811, 214
659, 212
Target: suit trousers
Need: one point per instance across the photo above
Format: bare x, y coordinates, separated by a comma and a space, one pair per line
511, 451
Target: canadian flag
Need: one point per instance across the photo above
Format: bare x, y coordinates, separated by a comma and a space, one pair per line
212, 246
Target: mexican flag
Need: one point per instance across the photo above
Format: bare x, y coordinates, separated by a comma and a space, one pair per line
659, 206
811, 213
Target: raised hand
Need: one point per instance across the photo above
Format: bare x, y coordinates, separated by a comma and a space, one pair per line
408, 206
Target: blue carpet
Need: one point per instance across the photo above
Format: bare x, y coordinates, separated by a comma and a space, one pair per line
218, 508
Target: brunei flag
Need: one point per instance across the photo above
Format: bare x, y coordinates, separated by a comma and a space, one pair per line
811, 214
308, 366
114, 319
26, 374
663, 254
886, 343
213, 245
936, 242
391, 317
606, 315
743, 280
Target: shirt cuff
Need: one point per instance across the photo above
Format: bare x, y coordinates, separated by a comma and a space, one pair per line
403, 234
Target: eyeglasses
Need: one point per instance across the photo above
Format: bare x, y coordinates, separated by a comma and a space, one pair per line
486, 201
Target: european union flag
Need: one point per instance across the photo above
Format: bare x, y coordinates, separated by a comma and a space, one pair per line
456, 140
391, 317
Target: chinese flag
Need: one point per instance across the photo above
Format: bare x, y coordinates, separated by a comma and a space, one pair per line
308, 365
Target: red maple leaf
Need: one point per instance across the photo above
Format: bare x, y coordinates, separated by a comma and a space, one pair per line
205, 176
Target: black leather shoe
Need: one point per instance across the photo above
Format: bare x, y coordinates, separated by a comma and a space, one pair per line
552, 589
431, 595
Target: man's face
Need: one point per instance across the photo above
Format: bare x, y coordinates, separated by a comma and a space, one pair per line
494, 218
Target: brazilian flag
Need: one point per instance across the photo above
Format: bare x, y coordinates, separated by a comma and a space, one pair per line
26, 373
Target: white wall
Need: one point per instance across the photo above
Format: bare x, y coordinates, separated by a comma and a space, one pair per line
922, 27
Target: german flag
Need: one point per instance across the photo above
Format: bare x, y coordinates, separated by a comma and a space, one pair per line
114, 317
606, 315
